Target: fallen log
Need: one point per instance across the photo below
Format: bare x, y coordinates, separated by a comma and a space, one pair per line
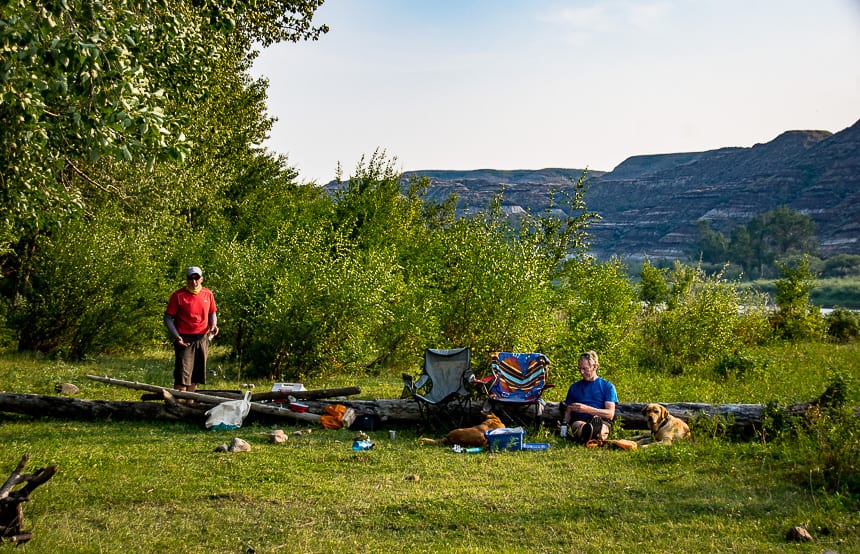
271, 410
62, 407
628, 415
276, 395
390, 412
11, 511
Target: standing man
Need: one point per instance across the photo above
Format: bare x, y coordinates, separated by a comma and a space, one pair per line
190, 317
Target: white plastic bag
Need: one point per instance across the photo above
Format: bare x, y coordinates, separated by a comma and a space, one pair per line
229, 415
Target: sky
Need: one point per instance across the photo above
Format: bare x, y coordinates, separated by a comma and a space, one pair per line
531, 84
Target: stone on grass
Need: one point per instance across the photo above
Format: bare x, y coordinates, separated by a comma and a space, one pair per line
239, 445
798, 534
67, 388
277, 437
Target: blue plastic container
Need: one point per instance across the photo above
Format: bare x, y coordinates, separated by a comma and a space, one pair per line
505, 439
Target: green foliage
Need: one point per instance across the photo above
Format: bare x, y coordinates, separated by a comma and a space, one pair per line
705, 319
653, 288
796, 318
758, 244
91, 291
600, 311
843, 325
841, 265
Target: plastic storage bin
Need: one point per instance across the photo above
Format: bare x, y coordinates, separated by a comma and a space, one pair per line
505, 439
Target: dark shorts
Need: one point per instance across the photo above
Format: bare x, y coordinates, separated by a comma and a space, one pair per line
190, 366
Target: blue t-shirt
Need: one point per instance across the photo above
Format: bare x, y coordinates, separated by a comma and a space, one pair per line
591, 393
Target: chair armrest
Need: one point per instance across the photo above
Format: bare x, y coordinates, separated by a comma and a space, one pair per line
422, 381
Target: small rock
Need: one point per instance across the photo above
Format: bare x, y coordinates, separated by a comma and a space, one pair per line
67, 388
277, 437
239, 445
798, 534
222, 448
413, 477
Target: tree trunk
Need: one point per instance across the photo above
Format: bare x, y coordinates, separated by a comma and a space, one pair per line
393, 412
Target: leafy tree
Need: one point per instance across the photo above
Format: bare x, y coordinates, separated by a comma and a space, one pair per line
99, 100
710, 245
789, 232
653, 288
796, 318
842, 265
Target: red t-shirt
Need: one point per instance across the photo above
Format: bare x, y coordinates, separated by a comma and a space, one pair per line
190, 312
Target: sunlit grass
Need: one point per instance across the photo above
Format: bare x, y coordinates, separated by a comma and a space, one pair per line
150, 487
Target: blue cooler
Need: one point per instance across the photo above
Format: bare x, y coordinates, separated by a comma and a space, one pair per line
505, 439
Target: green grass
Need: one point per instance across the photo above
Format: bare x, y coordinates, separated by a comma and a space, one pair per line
155, 487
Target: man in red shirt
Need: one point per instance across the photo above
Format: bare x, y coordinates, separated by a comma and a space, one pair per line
190, 318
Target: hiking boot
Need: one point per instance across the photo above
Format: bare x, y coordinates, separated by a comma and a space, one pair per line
596, 427
585, 433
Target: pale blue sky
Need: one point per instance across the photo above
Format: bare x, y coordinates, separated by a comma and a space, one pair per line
517, 84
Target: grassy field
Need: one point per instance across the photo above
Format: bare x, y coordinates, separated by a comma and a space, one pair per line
154, 487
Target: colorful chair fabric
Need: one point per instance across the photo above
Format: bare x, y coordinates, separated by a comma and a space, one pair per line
518, 383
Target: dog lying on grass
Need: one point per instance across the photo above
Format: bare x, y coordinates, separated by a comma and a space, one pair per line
469, 436
665, 428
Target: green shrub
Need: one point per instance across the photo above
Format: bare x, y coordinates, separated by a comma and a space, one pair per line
597, 305
705, 319
796, 318
843, 325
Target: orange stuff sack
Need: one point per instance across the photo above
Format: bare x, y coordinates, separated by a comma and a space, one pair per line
333, 418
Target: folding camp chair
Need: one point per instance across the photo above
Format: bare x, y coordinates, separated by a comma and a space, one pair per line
515, 392
441, 391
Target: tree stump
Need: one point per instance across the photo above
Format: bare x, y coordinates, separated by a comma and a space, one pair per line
11, 511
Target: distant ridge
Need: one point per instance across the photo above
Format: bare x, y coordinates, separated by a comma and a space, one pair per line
650, 204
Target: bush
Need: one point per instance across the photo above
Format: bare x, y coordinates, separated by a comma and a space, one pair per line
705, 319
843, 325
91, 290
597, 305
796, 318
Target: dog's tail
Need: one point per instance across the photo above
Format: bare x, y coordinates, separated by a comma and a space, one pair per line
425, 440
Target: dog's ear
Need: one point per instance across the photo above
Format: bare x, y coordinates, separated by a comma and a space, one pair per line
644, 409
664, 412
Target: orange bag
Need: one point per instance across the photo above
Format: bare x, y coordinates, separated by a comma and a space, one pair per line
333, 418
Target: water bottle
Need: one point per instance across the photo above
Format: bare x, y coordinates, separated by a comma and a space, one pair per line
362, 445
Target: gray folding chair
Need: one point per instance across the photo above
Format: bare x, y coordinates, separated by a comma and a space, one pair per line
442, 390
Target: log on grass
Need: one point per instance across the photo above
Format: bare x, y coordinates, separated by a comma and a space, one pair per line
269, 410
11, 511
628, 415
275, 395
62, 407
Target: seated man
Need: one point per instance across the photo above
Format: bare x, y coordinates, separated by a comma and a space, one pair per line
590, 403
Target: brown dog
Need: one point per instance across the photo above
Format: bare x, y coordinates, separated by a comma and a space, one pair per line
469, 436
665, 428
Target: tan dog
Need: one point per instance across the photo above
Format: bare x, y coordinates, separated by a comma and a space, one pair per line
469, 436
665, 428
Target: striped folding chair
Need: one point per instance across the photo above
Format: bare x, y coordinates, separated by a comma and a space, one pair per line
518, 381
